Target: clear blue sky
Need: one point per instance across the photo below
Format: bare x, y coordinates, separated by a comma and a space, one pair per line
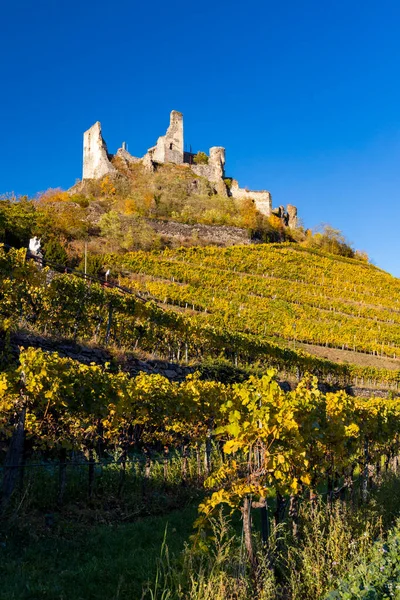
305, 96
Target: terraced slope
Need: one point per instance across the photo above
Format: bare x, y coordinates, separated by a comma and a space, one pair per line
279, 291
275, 306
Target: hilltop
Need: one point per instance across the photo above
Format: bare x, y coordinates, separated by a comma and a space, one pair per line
172, 227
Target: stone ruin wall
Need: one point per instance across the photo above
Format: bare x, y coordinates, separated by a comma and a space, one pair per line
170, 149
96, 161
262, 199
214, 170
127, 158
292, 216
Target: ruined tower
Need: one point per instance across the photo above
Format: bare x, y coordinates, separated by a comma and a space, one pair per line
169, 147
96, 162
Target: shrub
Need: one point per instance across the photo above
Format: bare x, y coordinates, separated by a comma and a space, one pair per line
94, 264
200, 158
228, 182
128, 232
55, 252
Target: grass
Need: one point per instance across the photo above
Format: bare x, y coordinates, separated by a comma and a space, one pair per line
74, 562
76, 554
333, 541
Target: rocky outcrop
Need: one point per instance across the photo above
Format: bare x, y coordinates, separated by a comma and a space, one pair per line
214, 170
126, 158
292, 216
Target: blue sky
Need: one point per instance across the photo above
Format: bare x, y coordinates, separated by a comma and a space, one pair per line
305, 96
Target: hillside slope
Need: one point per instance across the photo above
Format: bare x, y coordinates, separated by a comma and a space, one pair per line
281, 291
277, 305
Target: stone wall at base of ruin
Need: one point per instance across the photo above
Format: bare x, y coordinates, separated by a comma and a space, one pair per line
262, 199
214, 170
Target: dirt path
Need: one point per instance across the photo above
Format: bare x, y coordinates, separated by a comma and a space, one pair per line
348, 356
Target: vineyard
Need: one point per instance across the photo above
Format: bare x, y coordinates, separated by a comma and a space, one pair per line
251, 444
282, 457
297, 439
175, 323
280, 290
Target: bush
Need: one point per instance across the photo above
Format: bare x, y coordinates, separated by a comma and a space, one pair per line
128, 232
94, 265
200, 158
55, 252
17, 221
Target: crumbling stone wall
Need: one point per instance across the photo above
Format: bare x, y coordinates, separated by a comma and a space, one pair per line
288, 216
214, 170
262, 200
292, 216
169, 147
96, 162
124, 155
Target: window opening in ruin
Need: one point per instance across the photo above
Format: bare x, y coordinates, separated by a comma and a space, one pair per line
170, 146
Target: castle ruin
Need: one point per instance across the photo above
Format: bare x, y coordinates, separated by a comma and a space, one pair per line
170, 149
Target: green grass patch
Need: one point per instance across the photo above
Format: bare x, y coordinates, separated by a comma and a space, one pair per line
74, 562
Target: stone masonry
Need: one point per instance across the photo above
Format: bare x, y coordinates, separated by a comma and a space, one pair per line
262, 200
96, 161
214, 171
170, 149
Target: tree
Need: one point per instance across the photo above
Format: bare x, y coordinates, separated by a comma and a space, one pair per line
128, 232
17, 221
330, 240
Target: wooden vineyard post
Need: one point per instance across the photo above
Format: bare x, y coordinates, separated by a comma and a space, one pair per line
246, 515
184, 464
365, 475
91, 473
294, 513
146, 473
14, 460
207, 453
280, 508
198, 459
62, 476
122, 473
265, 530
147, 468
109, 323
165, 463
